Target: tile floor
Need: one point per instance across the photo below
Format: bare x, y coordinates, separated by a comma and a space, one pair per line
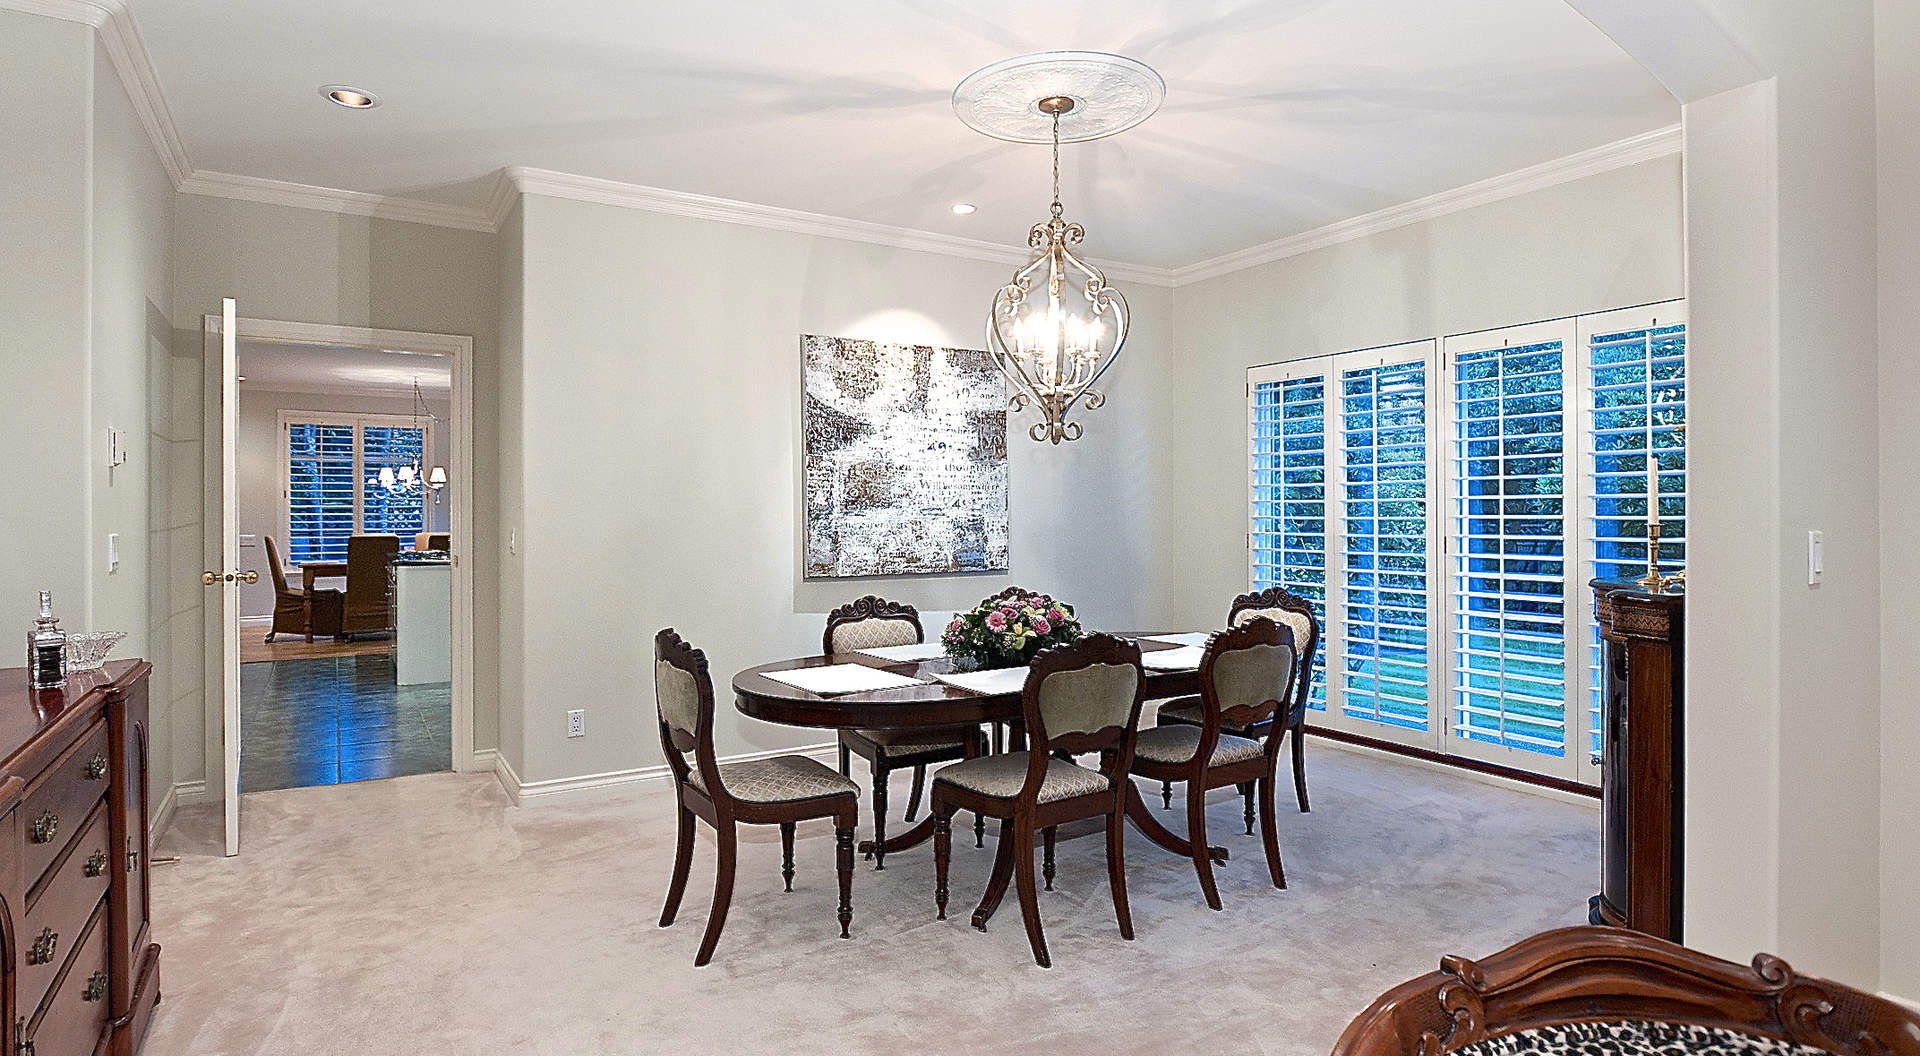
338, 719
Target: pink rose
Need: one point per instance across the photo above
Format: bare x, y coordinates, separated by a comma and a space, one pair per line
1036, 601
1056, 615
1007, 614
956, 626
996, 622
1041, 626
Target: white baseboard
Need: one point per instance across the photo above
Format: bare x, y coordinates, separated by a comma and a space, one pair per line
162, 816
1495, 780
1898, 1000
185, 792
558, 790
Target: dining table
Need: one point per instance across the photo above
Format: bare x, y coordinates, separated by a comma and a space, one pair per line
930, 702
309, 572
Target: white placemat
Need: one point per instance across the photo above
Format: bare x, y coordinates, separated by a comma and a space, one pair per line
999, 680
1185, 658
901, 654
1187, 638
842, 678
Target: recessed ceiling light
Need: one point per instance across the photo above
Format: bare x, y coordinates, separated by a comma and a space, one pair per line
350, 97
963, 208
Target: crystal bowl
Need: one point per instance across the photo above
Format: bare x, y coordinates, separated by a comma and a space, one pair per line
87, 650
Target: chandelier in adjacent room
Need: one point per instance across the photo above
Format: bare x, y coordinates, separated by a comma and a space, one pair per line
1057, 327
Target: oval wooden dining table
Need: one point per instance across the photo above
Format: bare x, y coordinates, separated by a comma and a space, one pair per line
937, 703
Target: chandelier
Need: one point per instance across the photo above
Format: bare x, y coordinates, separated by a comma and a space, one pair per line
1057, 326
412, 476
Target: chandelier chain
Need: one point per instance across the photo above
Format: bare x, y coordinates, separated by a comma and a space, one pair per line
1056, 208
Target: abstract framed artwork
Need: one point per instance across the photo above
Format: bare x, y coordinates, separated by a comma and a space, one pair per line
905, 459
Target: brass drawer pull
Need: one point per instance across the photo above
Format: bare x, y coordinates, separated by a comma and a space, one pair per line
96, 987
96, 863
44, 827
96, 767
41, 952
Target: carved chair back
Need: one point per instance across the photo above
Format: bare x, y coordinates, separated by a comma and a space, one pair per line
683, 694
1246, 677
1084, 696
870, 623
1290, 610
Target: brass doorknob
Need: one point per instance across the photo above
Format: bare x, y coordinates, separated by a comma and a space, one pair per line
250, 576
209, 578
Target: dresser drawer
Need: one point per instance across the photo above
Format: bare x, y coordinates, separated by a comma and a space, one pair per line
60, 799
73, 1018
58, 913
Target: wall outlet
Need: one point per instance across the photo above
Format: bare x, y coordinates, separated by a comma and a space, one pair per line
577, 722
113, 551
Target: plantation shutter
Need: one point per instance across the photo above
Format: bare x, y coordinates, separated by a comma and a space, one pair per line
1288, 540
320, 487
383, 510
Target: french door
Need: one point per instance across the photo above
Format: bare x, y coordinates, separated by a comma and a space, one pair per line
1444, 504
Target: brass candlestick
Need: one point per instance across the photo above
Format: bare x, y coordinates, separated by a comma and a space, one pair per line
1653, 582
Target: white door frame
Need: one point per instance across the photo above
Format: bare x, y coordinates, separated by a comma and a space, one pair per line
460, 472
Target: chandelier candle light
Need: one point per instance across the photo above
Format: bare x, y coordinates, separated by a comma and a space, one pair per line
1057, 326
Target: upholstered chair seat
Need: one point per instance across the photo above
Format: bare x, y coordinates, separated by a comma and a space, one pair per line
1175, 746
782, 779
1002, 776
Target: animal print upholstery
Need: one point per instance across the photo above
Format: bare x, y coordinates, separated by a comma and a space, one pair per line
1174, 745
873, 634
1634, 1038
782, 779
1002, 777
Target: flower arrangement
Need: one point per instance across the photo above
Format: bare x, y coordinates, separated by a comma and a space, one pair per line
1006, 631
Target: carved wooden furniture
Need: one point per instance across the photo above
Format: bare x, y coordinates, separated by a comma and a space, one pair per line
368, 605
869, 623
316, 570
80, 974
932, 703
1289, 610
1078, 698
300, 612
1642, 764
779, 791
1590, 975
1246, 679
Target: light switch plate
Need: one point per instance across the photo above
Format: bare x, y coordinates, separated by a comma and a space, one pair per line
249, 540
116, 447
1816, 557
113, 551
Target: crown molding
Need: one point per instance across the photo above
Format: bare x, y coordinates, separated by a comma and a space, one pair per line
334, 200
1659, 143
550, 184
121, 39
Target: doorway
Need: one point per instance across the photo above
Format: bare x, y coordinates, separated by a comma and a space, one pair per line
344, 470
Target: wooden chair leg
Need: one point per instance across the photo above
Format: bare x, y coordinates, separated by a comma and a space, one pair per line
1117, 871
722, 893
1270, 834
1166, 795
998, 878
1046, 867
846, 760
942, 853
1029, 895
919, 786
979, 830
843, 840
1197, 836
879, 854
682, 864
1246, 794
786, 848
1300, 768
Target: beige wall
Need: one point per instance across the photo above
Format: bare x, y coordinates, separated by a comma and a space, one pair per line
1897, 64
658, 433
304, 266
262, 506
1607, 241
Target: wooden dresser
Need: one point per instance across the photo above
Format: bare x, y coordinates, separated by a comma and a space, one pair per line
80, 975
1643, 764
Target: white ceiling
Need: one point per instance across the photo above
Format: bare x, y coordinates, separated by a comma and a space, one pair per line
1281, 115
363, 371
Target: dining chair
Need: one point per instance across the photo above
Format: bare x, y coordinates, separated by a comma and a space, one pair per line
783, 790
290, 605
1078, 698
1296, 613
873, 622
369, 605
1246, 680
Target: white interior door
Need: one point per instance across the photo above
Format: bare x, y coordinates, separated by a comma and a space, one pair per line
230, 575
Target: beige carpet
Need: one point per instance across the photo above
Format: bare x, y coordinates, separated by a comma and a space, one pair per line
425, 915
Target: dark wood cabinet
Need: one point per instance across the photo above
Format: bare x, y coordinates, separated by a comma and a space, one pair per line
1642, 765
83, 975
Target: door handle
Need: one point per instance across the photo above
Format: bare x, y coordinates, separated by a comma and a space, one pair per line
211, 578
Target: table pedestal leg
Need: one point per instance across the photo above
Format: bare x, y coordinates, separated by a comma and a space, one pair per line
306, 608
921, 832
1151, 828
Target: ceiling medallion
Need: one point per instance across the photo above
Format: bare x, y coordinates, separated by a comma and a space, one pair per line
1057, 327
